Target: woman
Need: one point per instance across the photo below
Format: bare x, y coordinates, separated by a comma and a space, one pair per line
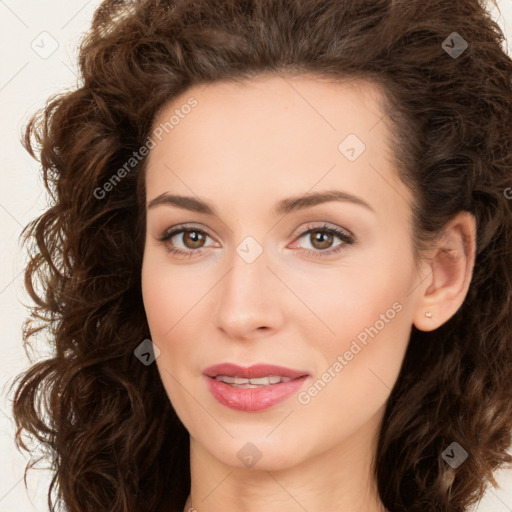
277, 269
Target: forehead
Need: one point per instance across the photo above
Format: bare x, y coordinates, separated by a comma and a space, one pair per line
329, 104
288, 131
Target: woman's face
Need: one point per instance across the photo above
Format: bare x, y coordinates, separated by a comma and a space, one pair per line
253, 283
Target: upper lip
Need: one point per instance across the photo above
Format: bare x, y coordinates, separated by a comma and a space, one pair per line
252, 372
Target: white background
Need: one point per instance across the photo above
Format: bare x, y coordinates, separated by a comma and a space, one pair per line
28, 76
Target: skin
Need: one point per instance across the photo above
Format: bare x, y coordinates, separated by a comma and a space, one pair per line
242, 149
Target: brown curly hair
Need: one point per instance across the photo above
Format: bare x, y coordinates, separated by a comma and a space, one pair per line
104, 419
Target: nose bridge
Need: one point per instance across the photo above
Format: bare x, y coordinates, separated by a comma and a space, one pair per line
246, 280
248, 297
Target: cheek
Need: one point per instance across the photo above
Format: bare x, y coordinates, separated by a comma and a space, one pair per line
357, 367
368, 346
173, 299
156, 296
367, 316
347, 303
167, 299
168, 294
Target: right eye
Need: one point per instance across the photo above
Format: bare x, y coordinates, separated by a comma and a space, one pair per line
192, 238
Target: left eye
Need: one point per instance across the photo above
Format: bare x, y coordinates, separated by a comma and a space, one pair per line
322, 239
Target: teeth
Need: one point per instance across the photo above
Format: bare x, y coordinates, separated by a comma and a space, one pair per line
226, 379
252, 383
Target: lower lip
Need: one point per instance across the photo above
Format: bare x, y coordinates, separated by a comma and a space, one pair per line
253, 399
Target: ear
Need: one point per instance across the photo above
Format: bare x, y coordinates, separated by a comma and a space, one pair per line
449, 268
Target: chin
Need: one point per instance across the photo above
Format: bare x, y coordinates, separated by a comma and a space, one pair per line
258, 453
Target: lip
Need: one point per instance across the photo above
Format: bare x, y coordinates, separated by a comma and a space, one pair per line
252, 399
252, 372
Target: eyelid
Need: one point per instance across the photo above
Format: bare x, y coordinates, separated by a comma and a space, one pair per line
320, 225
180, 228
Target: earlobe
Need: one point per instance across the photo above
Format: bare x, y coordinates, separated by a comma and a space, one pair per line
450, 266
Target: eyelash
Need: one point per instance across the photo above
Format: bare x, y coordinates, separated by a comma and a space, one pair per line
342, 235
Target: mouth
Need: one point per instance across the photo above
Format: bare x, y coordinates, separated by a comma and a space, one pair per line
253, 388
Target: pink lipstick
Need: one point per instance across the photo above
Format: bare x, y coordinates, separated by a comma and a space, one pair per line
252, 388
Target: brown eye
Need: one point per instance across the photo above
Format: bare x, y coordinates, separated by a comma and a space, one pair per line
321, 239
193, 239
184, 241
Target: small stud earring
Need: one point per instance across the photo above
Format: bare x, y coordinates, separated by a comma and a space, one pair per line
428, 314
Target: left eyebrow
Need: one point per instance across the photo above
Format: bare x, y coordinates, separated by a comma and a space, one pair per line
283, 207
309, 200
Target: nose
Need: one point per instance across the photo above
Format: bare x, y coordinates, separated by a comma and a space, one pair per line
250, 299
